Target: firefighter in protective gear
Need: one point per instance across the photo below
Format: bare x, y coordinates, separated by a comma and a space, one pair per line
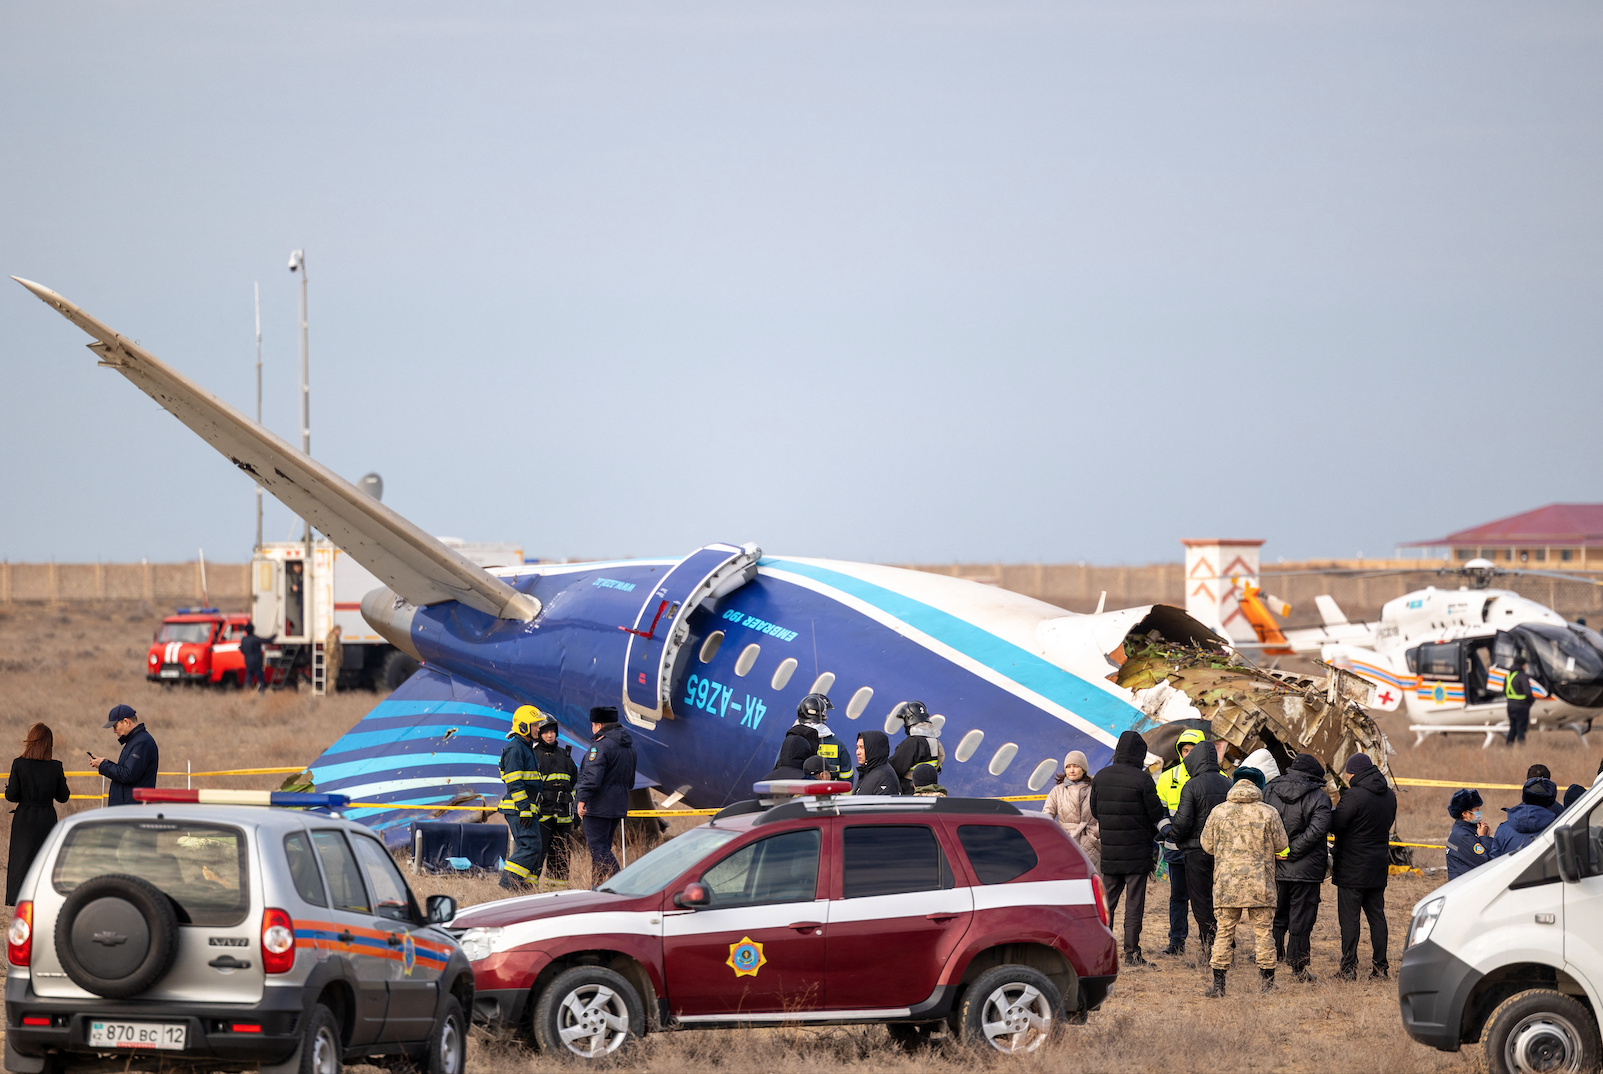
921, 746
837, 758
520, 771
554, 804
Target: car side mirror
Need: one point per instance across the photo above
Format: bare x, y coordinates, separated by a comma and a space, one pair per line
693, 896
441, 909
1571, 866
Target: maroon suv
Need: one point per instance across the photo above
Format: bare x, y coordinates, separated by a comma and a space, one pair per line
930, 915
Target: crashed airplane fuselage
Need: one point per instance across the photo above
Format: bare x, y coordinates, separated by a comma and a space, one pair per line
706, 655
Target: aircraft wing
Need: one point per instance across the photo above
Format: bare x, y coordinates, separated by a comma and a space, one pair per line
411, 562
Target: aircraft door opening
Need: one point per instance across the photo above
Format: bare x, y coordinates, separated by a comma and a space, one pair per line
662, 623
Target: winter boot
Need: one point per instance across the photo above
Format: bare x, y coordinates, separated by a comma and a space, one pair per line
1380, 971
1134, 961
1268, 979
1218, 989
1176, 947
1303, 974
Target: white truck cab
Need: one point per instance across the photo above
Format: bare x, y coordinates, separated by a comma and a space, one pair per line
1511, 953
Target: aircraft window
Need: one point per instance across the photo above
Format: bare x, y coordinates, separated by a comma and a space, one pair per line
1043, 772
937, 722
822, 684
1002, 758
709, 648
969, 743
1438, 661
859, 702
1566, 654
748, 657
783, 672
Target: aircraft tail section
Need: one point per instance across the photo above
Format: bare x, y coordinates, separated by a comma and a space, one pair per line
1329, 611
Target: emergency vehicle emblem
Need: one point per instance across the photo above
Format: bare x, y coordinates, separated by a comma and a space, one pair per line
408, 955
746, 957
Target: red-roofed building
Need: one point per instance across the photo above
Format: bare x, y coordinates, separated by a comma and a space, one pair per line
1569, 533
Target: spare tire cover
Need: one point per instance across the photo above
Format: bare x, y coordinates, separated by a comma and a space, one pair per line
116, 935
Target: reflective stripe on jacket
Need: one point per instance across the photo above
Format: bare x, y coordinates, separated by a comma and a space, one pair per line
520, 771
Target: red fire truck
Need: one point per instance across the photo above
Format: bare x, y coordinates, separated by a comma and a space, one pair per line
198, 645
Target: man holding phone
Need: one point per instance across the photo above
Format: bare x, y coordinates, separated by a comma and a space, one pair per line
139, 762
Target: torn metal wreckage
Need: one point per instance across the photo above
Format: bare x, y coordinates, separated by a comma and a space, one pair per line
1180, 685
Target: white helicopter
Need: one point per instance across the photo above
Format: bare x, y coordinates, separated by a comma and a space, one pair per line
1442, 655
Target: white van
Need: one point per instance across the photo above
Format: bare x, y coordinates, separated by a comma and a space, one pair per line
1511, 953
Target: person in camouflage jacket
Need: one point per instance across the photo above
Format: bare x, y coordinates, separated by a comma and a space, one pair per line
1244, 836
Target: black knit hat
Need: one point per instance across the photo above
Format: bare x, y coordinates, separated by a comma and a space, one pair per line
1463, 801
1251, 775
604, 714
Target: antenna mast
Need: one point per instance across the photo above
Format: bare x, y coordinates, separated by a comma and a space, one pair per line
256, 285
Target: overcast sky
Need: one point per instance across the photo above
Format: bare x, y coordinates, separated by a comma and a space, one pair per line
887, 281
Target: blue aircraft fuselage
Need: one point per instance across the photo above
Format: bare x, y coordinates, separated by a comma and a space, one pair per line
1010, 713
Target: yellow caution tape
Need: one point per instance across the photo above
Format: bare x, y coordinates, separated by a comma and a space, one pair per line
1450, 783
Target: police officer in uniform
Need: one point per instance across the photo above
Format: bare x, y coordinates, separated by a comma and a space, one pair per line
603, 789
555, 802
921, 746
521, 773
1517, 688
837, 758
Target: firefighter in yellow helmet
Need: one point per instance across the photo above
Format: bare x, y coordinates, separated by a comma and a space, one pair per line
520, 771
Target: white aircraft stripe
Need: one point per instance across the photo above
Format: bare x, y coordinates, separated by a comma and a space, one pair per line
967, 663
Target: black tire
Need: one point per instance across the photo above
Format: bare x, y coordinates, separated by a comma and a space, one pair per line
1540, 1030
321, 1050
1011, 1009
448, 1044
395, 669
911, 1037
605, 998
116, 935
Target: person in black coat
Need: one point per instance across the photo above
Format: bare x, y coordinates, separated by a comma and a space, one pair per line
1125, 802
605, 780
799, 743
1362, 823
36, 781
1298, 795
139, 763
1205, 788
250, 647
874, 772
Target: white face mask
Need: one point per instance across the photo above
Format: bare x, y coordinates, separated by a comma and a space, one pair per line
1477, 816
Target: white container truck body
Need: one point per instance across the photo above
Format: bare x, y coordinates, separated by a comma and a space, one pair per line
298, 606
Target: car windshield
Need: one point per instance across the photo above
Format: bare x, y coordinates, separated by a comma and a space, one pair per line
1567, 653
201, 867
195, 633
653, 872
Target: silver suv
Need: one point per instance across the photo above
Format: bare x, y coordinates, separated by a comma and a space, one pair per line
230, 936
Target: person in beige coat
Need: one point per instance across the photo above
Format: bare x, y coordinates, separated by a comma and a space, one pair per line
1245, 837
1070, 804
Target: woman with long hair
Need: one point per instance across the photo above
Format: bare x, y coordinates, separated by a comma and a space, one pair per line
36, 781
1070, 804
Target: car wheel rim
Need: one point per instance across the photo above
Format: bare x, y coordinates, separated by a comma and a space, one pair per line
1016, 1018
1543, 1044
450, 1048
593, 1021
325, 1053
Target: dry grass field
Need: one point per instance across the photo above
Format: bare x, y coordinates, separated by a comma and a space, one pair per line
67, 666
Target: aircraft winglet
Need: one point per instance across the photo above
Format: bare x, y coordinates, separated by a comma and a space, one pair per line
413, 563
